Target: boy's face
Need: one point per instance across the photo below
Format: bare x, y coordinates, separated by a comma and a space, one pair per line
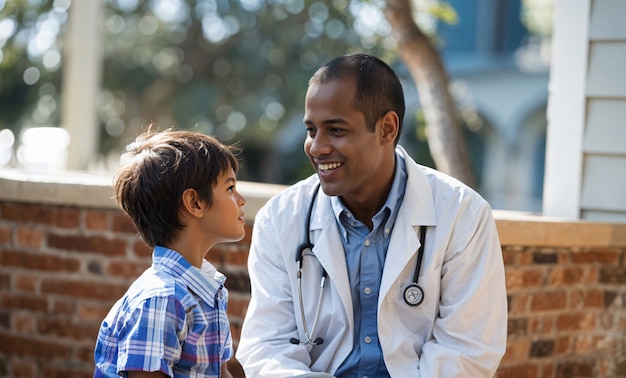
223, 222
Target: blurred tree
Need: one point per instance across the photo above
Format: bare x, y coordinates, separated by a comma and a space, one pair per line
237, 69
445, 135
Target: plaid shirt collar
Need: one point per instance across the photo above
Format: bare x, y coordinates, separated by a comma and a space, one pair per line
205, 282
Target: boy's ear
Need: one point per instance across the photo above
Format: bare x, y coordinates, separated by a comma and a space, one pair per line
191, 203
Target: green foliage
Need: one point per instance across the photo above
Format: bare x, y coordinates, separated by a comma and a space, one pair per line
443, 11
234, 69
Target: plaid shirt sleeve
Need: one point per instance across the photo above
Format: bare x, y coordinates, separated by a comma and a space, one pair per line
143, 338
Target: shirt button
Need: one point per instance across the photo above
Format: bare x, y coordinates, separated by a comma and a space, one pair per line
367, 339
367, 242
387, 230
367, 291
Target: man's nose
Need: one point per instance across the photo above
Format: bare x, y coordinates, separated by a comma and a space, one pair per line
319, 145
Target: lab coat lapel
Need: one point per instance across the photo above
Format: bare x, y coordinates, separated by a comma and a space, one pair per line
403, 246
417, 209
328, 249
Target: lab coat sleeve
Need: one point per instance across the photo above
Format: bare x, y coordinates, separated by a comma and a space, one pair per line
469, 335
264, 349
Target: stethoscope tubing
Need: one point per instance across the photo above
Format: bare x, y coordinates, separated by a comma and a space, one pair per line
413, 294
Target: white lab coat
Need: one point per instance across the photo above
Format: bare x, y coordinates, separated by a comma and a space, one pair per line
458, 331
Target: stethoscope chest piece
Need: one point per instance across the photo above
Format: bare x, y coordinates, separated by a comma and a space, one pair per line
413, 295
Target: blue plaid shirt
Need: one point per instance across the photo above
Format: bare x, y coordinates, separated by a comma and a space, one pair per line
172, 319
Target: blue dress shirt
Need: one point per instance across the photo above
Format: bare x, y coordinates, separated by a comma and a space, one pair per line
365, 257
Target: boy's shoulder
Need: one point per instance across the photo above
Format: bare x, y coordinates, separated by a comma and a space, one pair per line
154, 284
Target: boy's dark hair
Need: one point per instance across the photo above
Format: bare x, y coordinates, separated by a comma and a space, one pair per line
378, 89
157, 168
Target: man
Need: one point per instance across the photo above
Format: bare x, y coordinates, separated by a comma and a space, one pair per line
391, 269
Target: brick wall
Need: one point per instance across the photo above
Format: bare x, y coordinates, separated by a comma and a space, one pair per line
62, 267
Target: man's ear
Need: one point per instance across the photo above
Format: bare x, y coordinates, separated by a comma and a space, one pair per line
389, 128
192, 204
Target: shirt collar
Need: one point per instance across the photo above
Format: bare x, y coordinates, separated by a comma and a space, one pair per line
205, 282
391, 205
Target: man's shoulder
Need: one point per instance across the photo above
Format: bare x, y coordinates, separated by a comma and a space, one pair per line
443, 186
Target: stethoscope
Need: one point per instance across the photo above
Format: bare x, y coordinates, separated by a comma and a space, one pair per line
413, 294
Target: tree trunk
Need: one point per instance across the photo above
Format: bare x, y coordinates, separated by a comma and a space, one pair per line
443, 129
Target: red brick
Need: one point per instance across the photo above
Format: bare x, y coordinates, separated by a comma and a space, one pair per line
83, 289
576, 322
607, 320
27, 213
92, 311
543, 301
33, 346
127, 269
26, 281
96, 220
560, 276
237, 306
519, 303
587, 298
29, 237
621, 322
509, 256
63, 307
237, 257
5, 322
94, 244
540, 325
526, 370
216, 257
516, 351
609, 256
525, 257
22, 322
5, 235
123, 224
61, 371
23, 302
563, 345
84, 354
612, 275
32, 261
604, 367
605, 344
24, 368
524, 278
547, 370
141, 249
66, 328
620, 366
67, 217
578, 368
517, 327
5, 281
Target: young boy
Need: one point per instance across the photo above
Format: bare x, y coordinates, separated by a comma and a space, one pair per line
178, 187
